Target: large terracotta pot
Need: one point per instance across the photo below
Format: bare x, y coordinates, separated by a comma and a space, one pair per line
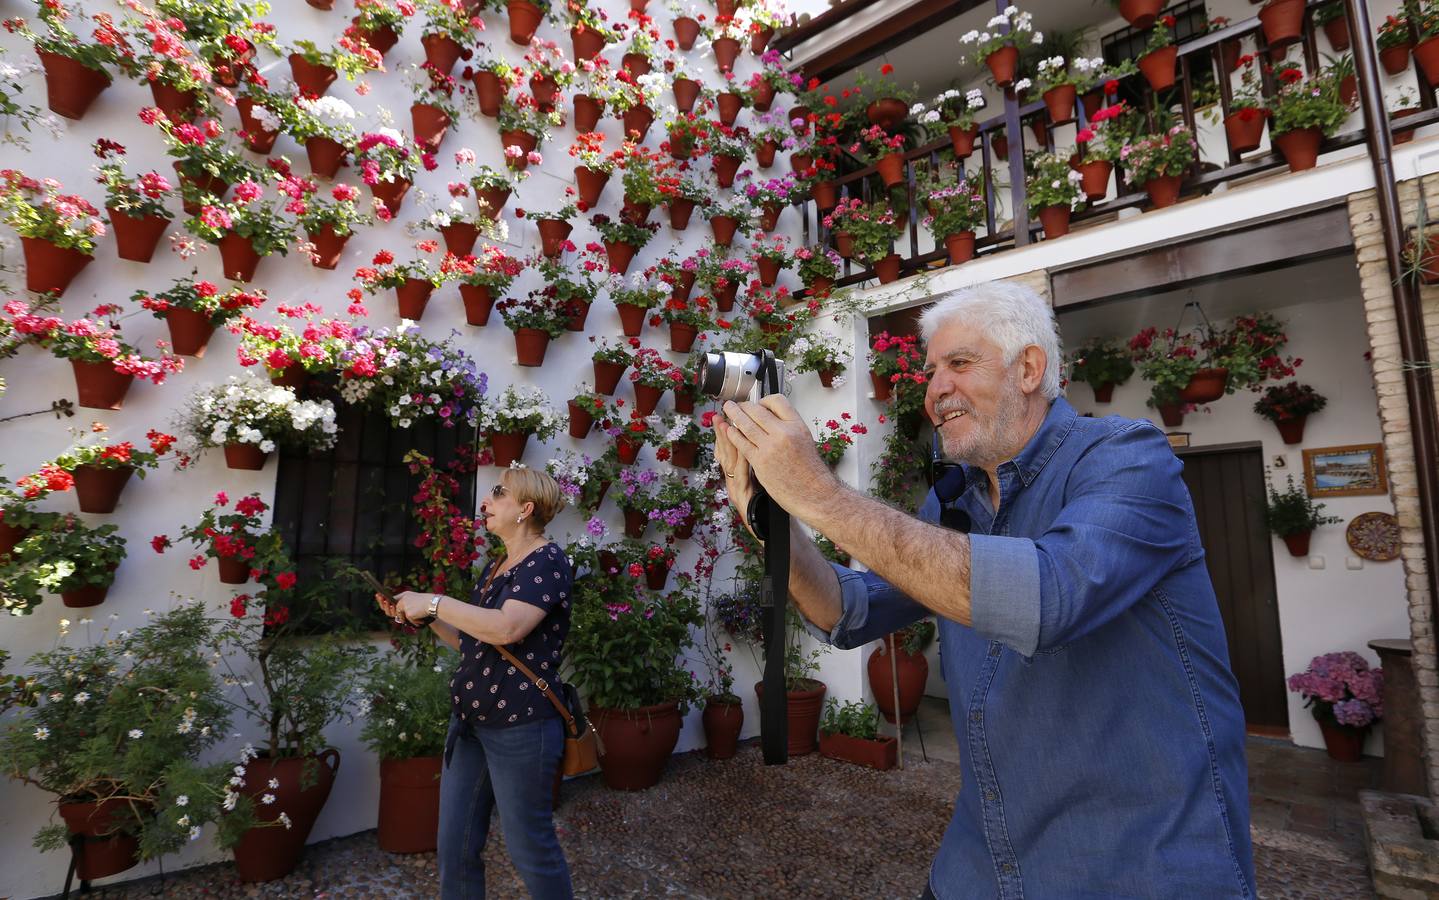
1158, 67
70, 86
913, 670
441, 51
960, 247
98, 385
1300, 147
1343, 743
51, 268
409, 819
647, 398
591, 184
1282, 21
637, 743
412, 296
268, 853
311, 78
478, 303
1094, 178
607, 376
97, 488
106, 849
524, 19
460, 237
491, 201
328, 246
1140, 13
687, 31
620, 255
803, 707
722, 724
1205, 386
507, 448
238, 257
1059, 101
586, 42
391, 193
1163, 191
489, 91
136, 237
245, 457
1298, 544
1055, 220
1292, 430
1244, 129
530, 345
429, 124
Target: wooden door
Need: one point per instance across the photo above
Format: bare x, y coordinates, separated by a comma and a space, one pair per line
1227, 485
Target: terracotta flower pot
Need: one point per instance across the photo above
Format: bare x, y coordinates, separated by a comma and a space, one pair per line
98, 488
478, 303
960, 247
524, 19
238, 257
826, 195
768, 270
591, 184
820, 286
105, 850
190, 331
98, 385
1300, 147
1343, 743
680, 211
1298, 544
10, 536
844, 244
656, 575
769, 216
525, 141
491, 201
1163, 191
724, 229
637, 743
722, 724
883, 387
1404, 137
391, 193
325, 156
176, 104
803, 707
581, 421
429, 124
1171, 414
1244, 130
412, 296
636, 523
1103, 393
684, 402
632, 318
620, 255
328, 246
647, 398
1396, 59
292, 376
553, 233
634, 212
1337, 31
85, 597
441, 51
887, 268
587, 113
579, 310
1140, 13
725, 168
724, 296
1059, 101
258, 138
460, 237
686, 91
586, 42
507, 448
409, 817
1158, 67
268, 853
245, 457
799, 117
1282, 21
198, 186
1205, 386
637, 64
962, 139
1055, 220
136, 237
544, 89
382, 40
682, 455
530, 345
312, 79
763, 96
1292, 430
800, 163
687, 31
1426, 54
729, 106
764, 153
1002, 65
233, 570
682, 336
488, 92
51, 268
1000, 144
880, 753
1094, 178
607, 376
886, 112
913, 670
759, 40
891, 169
70, 86
726, 51
637, 121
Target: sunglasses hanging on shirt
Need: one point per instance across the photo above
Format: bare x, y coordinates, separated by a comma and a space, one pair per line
949, 482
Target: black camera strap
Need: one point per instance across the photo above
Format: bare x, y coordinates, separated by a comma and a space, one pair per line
774, 598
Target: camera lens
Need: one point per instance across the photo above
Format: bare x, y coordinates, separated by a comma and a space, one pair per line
709, 376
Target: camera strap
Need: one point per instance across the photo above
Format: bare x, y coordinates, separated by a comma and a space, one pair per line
774, 598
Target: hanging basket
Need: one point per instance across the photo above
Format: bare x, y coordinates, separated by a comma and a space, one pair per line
1205, 386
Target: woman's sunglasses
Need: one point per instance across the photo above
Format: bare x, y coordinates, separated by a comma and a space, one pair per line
497, 491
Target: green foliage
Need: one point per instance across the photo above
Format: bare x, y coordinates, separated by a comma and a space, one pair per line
1291, 512
1101, 361
1312, 102
406, 703
856, 720
1290, 401
916, 638
60, 554
1052, 182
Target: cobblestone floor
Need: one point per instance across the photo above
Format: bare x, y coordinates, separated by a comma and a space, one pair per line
740, 829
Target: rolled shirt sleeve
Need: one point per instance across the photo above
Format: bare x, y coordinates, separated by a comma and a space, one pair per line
872, 608
1004, 590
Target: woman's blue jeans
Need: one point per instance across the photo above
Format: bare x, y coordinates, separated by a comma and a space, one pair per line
511, 770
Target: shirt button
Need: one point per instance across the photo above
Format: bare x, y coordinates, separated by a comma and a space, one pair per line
1007, 867
994, 650
975, 716
989, 796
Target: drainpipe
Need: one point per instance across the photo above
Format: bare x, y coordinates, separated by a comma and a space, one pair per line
1413, 344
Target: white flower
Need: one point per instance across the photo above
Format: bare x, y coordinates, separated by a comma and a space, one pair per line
194, 832
182, 800
1039, 37
42, 734
267, 799
183, 821
82, 697
1022, 84
285, 820
230, 798
136, 734
274, 784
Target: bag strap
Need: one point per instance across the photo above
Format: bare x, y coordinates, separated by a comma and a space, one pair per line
539, 682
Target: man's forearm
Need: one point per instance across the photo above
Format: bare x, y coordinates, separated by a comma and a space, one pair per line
813, 587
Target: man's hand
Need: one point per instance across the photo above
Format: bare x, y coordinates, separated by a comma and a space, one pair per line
739, 480
775, 443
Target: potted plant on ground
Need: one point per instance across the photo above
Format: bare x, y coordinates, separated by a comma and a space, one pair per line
954, 209
1288, 406
904, 652
822, 354
57, 231
1102, 364
193, 308
250, 418
136, 206
850, 732
1302, 113
1345, 696
804, 693
246, 229
61, 556
1292, 516
1159, 162
101, 469
1000, 49
103, 363
1052, 192
508, 421
124, 769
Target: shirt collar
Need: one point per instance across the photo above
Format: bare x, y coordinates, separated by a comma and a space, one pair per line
1057, 424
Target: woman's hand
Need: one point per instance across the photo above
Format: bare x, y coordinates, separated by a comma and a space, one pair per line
390, 610
413, 606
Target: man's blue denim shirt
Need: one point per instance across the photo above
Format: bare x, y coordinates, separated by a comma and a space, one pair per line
1099, 725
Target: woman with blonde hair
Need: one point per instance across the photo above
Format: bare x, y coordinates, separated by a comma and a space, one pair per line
506, 739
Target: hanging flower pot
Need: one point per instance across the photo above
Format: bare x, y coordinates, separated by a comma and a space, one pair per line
628, 450
913, 672
886, 112
238, 257
769, 216
799, 119
800, 163
1163, 191
962, 139
1337, 30
1158, 67
409, 816
1059, 100
391, 193
1103, 393
325, 156
724, 229
1282, 21
636, 523
269, 853
328, 246
687, 31
1292, 429
764, 153
682, 455
682, 336
960, 247
1396, 59
635, 212
247, 457
637, 743
530, 344
429, 124
174, 103
1171, 414
524, 19
826, 195
1349, 90
460, 237
803, 707
412, 296
647, 398
587, 113
1404, 137
729, 106
821, 286
581, 421
97, 488
478, 303
586, 42
724, 296
553, 233
637, 64
680, 210
591, 184
1055, 220
763, 97
1000, 144
441, 51
891, 169
725, 168
726, 52
507, 448
1094, 178
70, 85
1205, 386
1002, 65
313, 79
136, 237
620, 255
656, 574
759, 40
11, 535
579, 311
684, 402
198, 186
256, 136
233, 570
632, 319
887, 269
607, 374
491, 201
98, 385
51, 268
488, 92
844, 244
292, 376
768, 270
1140, 13
1244, 129
382, 40
544, 89
1300, 147
637, 120
87, 596
1426, 53
687, 91
1298, 544
190, 331
104, 849
722, 724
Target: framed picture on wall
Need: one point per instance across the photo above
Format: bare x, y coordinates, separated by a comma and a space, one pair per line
1345, 471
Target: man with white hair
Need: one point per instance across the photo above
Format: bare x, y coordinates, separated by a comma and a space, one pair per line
1100, 729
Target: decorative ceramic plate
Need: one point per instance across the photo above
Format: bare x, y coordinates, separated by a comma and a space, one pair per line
1374, 536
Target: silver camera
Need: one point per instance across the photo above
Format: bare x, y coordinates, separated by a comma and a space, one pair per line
740, 376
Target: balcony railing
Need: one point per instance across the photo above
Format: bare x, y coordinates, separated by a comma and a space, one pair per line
1208, 52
